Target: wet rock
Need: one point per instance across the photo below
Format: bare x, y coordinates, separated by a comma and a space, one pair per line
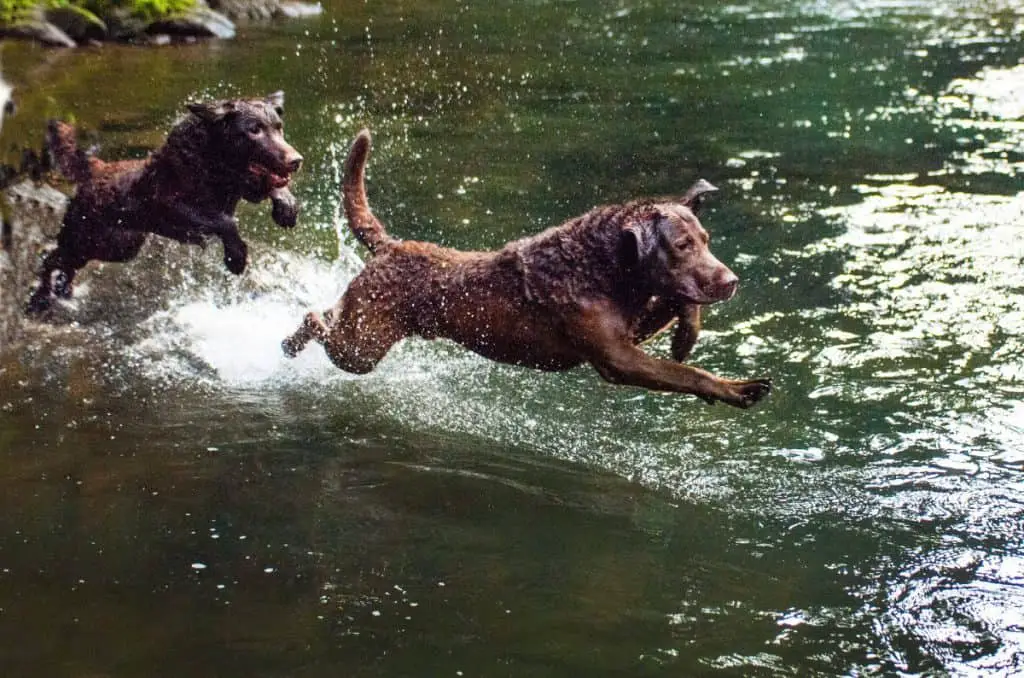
6, 100
36, 27
79, 24
31, 218
265, 9
299, 10
123, 25
198, 22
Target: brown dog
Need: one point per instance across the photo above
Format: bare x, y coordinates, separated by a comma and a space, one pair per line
187, 190
589, 290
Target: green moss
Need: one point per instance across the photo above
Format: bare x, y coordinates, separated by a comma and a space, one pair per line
12, 11
148, 10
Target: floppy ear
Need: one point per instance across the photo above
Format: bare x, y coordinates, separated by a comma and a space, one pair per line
277, 101
638, 241
211, 112
696, 195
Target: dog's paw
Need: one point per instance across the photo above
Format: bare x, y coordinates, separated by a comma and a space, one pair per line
62, 286
236, 257
285, 208
747, 393
289, 348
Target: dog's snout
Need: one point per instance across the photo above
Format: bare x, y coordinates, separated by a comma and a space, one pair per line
730, 282
294, 162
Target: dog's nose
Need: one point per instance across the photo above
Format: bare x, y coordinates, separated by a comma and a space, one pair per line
729, 285
295, 163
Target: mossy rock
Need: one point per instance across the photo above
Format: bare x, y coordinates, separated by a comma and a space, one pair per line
78, 23
33, 25
200, 22
265, 9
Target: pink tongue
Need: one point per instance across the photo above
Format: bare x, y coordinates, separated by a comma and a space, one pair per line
278, 181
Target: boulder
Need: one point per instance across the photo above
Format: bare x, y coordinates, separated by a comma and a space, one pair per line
199, 21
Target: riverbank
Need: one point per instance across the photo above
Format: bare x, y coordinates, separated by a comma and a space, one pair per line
62, 24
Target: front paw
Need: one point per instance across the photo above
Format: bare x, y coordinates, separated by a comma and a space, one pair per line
62, 286
744, 394
236, 256
285, 211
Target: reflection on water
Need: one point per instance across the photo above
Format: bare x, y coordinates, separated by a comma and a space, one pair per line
180, 499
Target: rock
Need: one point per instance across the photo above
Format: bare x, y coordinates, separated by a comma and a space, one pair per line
39, 29
299, 10
6, 100
79, 24
258, 10
198, 22
123, 25
31, 219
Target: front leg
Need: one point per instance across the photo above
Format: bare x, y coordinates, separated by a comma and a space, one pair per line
199, 225
285, 207
626, 364
658, 315
606, 342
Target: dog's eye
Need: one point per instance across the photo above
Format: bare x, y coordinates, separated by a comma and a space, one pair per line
254, 128
684, 244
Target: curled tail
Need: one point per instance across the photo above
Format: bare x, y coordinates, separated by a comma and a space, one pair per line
366, 227
73, 163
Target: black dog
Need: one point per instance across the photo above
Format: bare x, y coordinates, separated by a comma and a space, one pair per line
187, 190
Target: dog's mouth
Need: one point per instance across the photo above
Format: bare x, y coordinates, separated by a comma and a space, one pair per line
695, 293
275, 178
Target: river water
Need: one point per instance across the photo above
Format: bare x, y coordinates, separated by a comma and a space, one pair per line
178, 499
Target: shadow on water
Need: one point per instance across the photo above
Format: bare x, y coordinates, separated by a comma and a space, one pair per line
179, 498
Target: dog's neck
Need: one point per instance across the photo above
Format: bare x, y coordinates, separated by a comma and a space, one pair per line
192, 159
550, 261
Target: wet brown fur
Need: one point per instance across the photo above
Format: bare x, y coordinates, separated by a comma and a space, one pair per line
187, 190
589, 290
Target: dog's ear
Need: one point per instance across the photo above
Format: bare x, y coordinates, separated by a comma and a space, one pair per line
212, 112
277, 101
638, 241
696, 195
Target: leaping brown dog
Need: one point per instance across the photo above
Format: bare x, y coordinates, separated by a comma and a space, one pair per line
589, 290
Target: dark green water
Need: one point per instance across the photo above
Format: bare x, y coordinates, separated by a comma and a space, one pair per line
177, 499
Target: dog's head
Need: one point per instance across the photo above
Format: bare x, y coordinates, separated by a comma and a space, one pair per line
250, 135
667, 245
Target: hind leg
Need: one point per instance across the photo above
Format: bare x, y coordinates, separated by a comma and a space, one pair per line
355, 336
312, 327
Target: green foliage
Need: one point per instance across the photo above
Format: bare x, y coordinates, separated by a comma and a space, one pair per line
12, 11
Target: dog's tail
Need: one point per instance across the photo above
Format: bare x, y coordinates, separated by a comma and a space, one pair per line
366, 227
73, 163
